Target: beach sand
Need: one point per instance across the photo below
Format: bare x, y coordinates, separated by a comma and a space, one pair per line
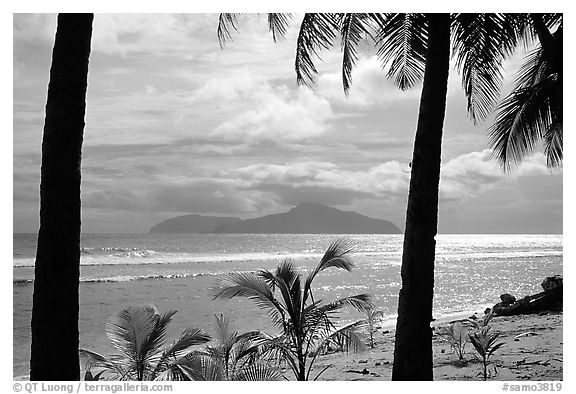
537, 356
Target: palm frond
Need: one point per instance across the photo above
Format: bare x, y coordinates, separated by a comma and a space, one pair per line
353, 28
226, 22
317, 32
534, 70
524, 117
481, 42
258, 372
286, 272
222, 328
194, 366
155, 339
349, 337
99, 361
553, 20
302, 323
360, 302
553, 144
278, 24
248, 345
254, 287
279, 349
246, 284
175, 373
345, 338
287, 280
129, 330
190, 337
402, 43
533, 111
337, 255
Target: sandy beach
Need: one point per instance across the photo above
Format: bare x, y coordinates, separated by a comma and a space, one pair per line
537, 356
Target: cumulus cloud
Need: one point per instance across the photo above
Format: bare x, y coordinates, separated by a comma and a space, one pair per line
123, 34
370, 86
259, 111
317, 180
473, 173
238, 85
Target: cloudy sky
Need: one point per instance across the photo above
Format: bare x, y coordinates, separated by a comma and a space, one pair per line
177, 125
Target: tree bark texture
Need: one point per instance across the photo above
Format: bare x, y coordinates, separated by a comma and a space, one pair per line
413, 344
55, 311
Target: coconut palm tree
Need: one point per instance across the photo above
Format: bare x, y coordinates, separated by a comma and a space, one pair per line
532, 112
416, 47
57, 268
138, 333
306, 323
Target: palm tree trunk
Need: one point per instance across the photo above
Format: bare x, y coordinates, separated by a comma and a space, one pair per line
552, 44
301, 365
55, 337
413, 344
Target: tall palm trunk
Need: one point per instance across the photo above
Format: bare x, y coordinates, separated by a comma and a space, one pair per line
55, 337
413, 345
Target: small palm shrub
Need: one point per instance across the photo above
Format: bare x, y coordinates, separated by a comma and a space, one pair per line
485, 345
235, 356
372, 317
306, 324
457, 335
138, 333
478, 324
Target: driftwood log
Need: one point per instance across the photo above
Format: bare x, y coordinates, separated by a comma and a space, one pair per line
550, 299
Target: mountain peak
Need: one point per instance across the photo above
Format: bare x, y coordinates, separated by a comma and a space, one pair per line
307, 205
305, 218
312, 218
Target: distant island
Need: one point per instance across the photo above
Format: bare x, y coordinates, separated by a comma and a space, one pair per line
306, 218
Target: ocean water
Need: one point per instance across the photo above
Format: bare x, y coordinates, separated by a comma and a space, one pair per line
178, 272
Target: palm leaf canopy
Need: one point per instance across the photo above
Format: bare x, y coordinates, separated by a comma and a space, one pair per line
139, 333
304, 322
402, 42
480, 44
226, 23
278, 24
317, 32
532, 112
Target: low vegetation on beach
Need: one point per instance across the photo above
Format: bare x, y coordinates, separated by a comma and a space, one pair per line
307, 331
307, 328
